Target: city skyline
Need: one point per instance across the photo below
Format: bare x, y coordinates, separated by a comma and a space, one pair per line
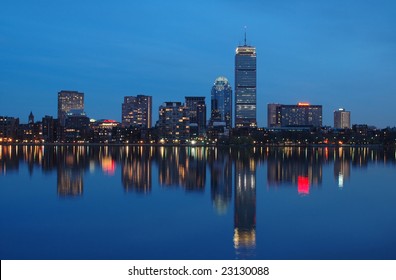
335, 54
270, 107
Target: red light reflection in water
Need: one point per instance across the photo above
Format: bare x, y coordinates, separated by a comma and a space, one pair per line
303, 185
108, 166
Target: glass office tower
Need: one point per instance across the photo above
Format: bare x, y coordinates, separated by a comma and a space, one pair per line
221, 102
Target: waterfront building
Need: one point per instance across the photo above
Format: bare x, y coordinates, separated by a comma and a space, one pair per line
302, 114
173, 122
273, 115
67, 101
137, 111
49, 129
104, 131
197, 113
245, 86
76, 127
30, 132
8, 128
221, 102
218, 131
342, 119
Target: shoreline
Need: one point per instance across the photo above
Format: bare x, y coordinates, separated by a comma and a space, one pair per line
203, 145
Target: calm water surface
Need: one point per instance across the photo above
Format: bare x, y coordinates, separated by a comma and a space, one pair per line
100, 202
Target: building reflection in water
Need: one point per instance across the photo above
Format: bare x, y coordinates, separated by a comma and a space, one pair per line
70, 182
182, 166
136, 169
171, 170
342, 166
220, 165
301, 167
108, 165
245, 205
195, 178
33, 155
185, 167
9, 161
72, 161
303, 185
107, 161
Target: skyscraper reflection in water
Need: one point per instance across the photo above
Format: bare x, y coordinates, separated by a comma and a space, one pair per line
245, 206
220, 165
177, 208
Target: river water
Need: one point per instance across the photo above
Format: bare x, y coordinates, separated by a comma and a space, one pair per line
141, 202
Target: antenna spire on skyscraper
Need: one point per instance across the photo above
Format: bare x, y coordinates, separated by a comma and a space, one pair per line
245, 35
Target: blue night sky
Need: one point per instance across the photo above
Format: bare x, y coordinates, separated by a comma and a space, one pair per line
335, 53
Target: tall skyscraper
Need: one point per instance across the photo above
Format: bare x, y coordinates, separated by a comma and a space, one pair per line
221, 102
197, 109
342, 119
245, 86
137, 111
67, 101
